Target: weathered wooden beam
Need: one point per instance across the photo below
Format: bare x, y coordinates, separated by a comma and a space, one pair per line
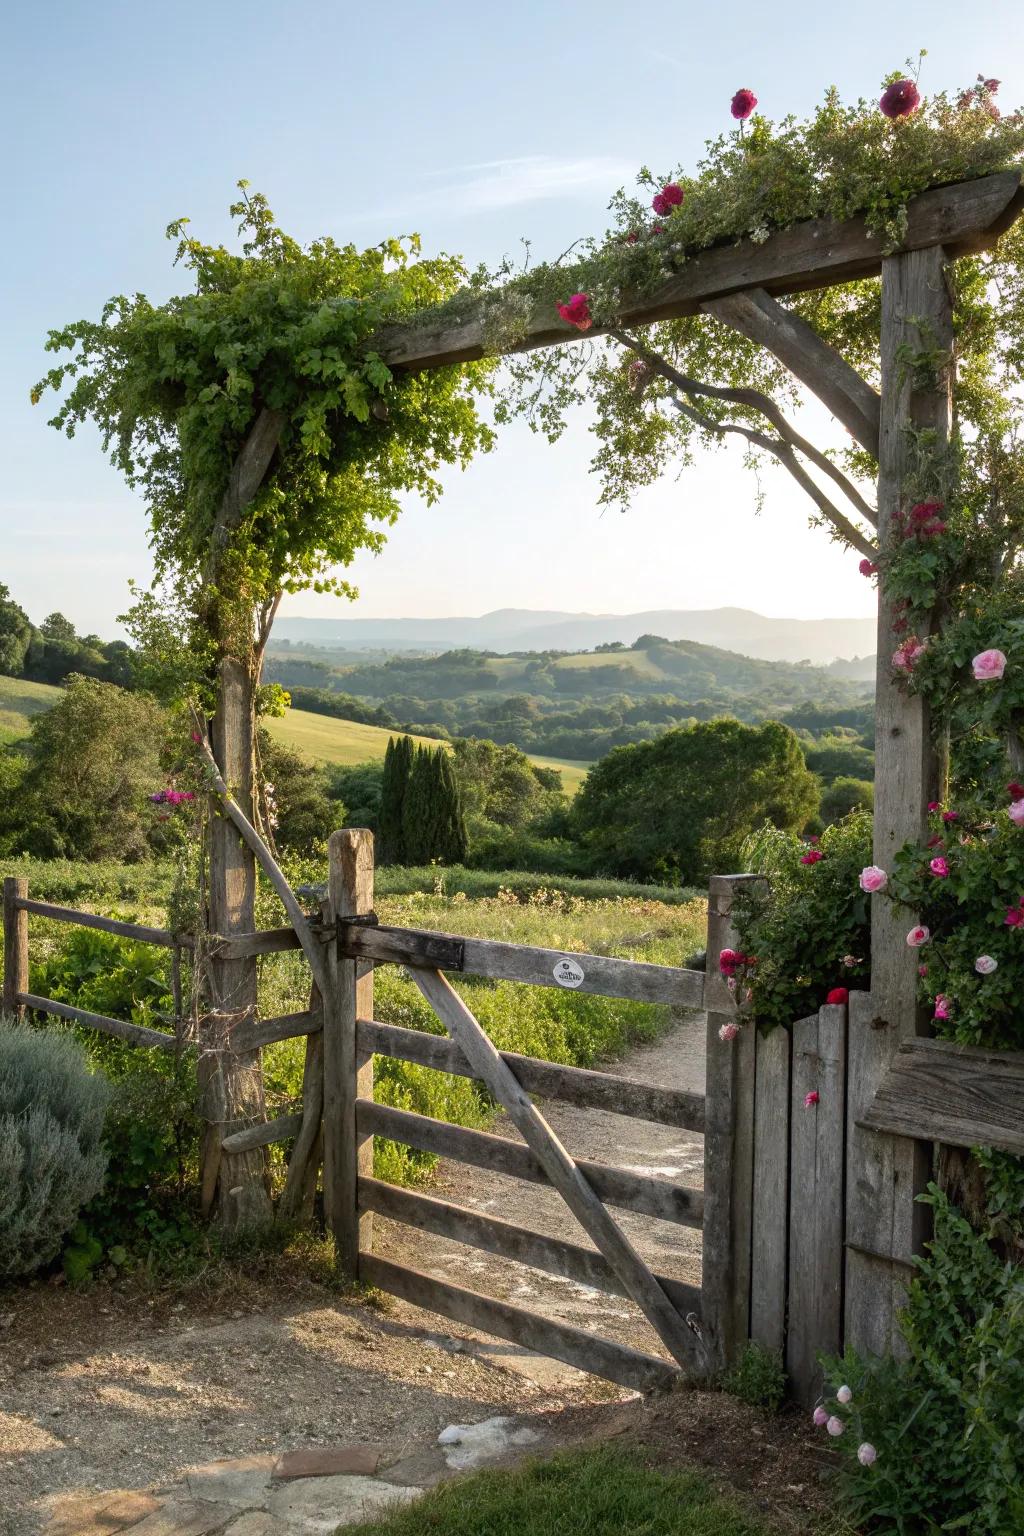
884, 1175
601, 975
262, 1135
964, 218
570, 1181
480, 1149
816, 1209
547, 1079
827, 374
15, 944
728, 1142
770, 1227
135, 1034
252, 1033
936, 1090
145, 935
573, 1346
584, 1265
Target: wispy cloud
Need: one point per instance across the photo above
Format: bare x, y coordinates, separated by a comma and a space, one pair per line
486, 185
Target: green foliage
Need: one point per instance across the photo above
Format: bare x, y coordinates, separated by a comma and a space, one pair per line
175, 389
360, 788
398, 760
51, 1159
598, 1491
759, 1378
681, 806
107, 974
946, 1421
92, 760
844, 795
966, 913
831, 758
301, 812
811, 920
15, 635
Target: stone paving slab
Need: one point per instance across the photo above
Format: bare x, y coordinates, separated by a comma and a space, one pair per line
327, 1461
238, 1480
186, 1517
316, 1506
100, 1514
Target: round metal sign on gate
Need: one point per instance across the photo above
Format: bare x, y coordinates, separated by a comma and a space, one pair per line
568, 973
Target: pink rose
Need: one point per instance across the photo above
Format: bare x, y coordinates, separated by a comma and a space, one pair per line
906, 658
939, 868
918, 936
989, 666
942, 1010
812, 1098
820, 1415
812, 856
873, 879
728, 1032
835, 1426
660, 207
729, 961
868, 568
844, 1395
922, 970
866, 1454
1014, 917
577, 312
985, 965
742, 104
950, 816
1017, 813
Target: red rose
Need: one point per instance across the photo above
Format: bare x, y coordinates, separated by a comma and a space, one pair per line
900, 99
577, 312
742, 104
838, 995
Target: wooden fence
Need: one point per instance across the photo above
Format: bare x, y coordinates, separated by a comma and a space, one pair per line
785, 1181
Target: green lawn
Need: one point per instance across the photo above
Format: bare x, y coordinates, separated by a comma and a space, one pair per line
19, 701
604, 1491
343, 741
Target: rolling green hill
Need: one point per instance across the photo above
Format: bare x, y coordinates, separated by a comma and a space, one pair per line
19, 701
343, 741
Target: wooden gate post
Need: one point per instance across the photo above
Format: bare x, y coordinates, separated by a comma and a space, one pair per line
884, 1174
348, 1071
15, 946
728, 1145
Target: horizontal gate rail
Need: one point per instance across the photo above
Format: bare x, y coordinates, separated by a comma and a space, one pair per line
508, 1241
572, 1085
617, 1186
264, 1134
573, 1346
252, 1033
136, 1034
56, 914
602, 975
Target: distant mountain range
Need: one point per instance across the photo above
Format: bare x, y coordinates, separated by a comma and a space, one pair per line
524, 629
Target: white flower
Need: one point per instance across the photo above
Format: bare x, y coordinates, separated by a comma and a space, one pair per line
835, 1426
844, 1395
985, 965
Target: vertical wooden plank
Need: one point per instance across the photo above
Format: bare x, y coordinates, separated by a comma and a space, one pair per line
816, 1201
770, 1233
884, 1175
348, 1071
728, 1146
15, 945
231, 1082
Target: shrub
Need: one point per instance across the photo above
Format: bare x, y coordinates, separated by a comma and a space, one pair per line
945, 1422
51, 1158
758, 1379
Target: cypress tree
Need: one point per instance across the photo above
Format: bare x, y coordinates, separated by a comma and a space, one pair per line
453, 843
394, 787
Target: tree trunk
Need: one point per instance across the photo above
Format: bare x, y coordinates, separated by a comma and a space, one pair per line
232, 1081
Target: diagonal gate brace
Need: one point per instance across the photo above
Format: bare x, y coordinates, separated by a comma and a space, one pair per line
684, 1344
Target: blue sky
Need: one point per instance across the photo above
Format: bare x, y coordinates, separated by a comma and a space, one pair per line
474, 124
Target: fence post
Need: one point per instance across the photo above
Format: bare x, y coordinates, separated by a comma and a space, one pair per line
728, 1145
348, 1072
15, 945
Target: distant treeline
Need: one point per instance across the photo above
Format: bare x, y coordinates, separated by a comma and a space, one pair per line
53, 650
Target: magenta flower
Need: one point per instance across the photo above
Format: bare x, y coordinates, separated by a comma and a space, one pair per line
868, 568
742, 104
940, 868
919, 935
820, 1415
728, 1032
950, 816
812, 1098
900, 99
873, 879
942, 1009
838, 996
729, 961
812, 856
988, 666
670, 196
577, 312
1014, 917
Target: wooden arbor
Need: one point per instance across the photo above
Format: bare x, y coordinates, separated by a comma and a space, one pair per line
739, 285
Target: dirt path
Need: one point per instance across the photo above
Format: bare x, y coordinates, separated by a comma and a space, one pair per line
676, 1061
109, 1390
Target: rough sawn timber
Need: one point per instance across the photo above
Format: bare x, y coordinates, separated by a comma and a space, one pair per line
963, 218
956, 1094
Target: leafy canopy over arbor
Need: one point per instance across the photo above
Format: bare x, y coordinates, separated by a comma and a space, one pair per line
176, 389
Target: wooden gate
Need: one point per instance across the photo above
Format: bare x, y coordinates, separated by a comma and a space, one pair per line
352, 1119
